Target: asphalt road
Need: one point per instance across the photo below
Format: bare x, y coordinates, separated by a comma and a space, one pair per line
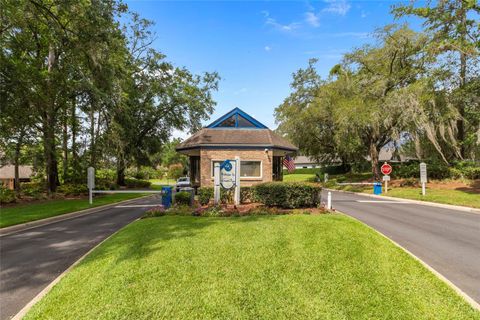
447, 240
31, 259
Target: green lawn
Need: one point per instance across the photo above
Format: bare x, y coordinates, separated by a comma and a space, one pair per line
456, 197
302, 177
166, 182
35, 211
263, 267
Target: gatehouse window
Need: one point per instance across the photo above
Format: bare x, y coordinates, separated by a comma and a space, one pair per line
251, 169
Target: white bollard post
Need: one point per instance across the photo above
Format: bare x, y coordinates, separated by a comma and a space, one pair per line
216, 184
386, 186
237, 181
423, 188
90, 197
329, 201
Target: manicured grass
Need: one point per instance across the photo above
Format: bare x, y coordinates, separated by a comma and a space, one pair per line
302, 177
35, 211
166, 182
263, 267
446, 196
455, 197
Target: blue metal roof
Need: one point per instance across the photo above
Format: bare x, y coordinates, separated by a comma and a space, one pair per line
236, 113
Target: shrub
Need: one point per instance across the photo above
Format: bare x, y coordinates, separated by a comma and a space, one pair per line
72, 189
7, 195
471, 172
175, 171
105, 184
215, 211
155, 212
182, 198
137, 183
288, 195
180, 210
247, 194
32, 189
106, 174
143, 173
204, 195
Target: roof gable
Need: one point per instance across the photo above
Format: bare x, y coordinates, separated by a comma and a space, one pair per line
236, 119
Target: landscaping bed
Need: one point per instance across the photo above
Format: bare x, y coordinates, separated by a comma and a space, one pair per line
257, 267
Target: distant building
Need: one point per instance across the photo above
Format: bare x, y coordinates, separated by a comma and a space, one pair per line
236, 133
7, 175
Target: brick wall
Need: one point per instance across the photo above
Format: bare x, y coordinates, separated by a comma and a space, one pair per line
208, 155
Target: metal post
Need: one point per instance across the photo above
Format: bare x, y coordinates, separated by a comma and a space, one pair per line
386, 186
237, 181
423, 188
90, 196
216, 183
329, 201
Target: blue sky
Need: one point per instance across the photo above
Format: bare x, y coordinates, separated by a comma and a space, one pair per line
256, 46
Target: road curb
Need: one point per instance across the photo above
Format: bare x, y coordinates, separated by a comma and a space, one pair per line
459, 291
23, 312
62, 217
426, 203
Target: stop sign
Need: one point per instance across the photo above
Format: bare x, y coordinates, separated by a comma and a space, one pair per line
386, 169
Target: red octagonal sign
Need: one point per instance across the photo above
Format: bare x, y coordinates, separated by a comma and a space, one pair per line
386, 169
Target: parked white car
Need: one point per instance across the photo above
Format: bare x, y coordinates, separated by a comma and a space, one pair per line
183, 182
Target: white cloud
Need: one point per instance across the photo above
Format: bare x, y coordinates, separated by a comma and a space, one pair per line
339, 7
268, 48
282, 27
312, 19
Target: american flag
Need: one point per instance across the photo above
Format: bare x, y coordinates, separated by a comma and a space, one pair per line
289, 164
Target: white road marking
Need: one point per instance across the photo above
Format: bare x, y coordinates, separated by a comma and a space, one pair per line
138, 206
383, 201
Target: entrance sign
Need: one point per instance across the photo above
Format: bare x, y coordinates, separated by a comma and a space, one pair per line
386, 169
227, 174
423, 176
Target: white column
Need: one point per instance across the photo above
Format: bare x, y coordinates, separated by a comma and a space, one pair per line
237, 181
216, 183
329, 201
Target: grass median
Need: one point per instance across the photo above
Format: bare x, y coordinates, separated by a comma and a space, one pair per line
28, 212
260, 267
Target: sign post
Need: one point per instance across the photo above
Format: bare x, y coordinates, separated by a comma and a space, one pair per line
216, 185
90, 183
237, 181
386, 170
423, 176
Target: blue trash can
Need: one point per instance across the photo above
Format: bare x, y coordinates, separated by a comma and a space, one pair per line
377, 188
167, 196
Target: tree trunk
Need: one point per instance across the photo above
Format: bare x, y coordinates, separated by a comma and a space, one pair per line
463, 81
121, 170
50, 155
75, 162
65, 146
374, 161
92, 133
18, 147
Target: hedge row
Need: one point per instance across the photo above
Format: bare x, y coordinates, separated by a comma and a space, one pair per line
280, 194
435, 170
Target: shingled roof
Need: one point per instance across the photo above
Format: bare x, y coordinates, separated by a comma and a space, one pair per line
216, 137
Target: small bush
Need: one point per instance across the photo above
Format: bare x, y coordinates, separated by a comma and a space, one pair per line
105, 174
288, 195
105, 184
180, 210
72, 189
247, 195
175, 171
471, 173
215, 211
204, 195
7, 195
182, 198
158, 211
136, 183
32, 189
